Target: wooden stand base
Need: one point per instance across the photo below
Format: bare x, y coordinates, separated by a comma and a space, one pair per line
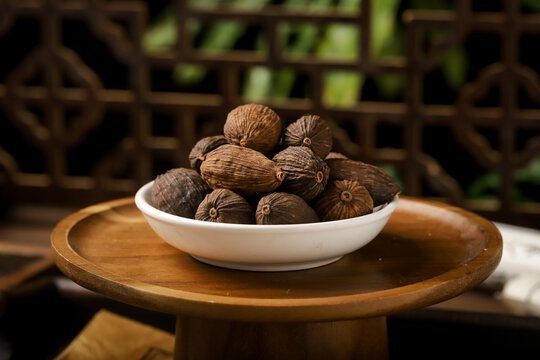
109, 248
198, 338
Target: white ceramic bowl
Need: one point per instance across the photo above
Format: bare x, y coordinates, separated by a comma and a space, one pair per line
264, 247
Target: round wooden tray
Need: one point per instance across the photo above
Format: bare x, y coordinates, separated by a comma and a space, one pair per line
428, 252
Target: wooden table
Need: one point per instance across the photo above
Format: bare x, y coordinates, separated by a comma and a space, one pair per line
428, 252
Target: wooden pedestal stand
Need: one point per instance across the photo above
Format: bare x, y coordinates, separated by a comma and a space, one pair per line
427, 253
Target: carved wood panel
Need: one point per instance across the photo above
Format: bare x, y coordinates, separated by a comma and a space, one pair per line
86, 113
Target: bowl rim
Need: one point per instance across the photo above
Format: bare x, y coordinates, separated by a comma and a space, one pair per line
146, 208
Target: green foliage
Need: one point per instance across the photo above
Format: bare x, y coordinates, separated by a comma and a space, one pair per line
388, 41
393, 171
454, 65
531, 5
340, 88
488, 184
484, 186
531, 173
383, 24
390, 85
298, 39
161, 35
334, 42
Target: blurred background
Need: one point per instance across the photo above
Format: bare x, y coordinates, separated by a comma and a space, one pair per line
99, 97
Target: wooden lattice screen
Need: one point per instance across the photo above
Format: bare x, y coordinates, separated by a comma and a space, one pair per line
83, 121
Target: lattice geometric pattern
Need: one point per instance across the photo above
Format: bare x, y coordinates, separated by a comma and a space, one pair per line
70, 133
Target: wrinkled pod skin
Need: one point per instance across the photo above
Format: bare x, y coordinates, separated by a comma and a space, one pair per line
306, 174
284, 208
335, 155
381, 186
310, 131
242, 170
203, 147
225, 206
253, 126
179, 192
343, 199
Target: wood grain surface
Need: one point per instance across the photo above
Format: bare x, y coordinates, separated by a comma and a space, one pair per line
428, 252
336, 340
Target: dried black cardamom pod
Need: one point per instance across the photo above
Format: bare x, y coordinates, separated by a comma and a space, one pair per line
335, 155
225, 206
254, 126
179, 192
343, 199
306, 174
284, 208
381, 186
240, 169
310, 131
203, 147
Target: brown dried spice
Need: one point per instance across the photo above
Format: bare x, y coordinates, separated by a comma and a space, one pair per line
225, 206
179, 192
311, 131
284, 208
203, 147
381, 186
306, 173
335, 155
253, 126
242, 170
343, 199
